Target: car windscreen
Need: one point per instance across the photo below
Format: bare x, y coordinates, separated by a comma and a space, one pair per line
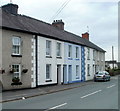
100, 73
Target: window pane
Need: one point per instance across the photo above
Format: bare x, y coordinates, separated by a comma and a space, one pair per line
16, 69
77, 52
48, 71
77, 70
48, 47
16, 40
88, 69
88, 56
58, 49
16, 49
16, 74
69, 51
16, 45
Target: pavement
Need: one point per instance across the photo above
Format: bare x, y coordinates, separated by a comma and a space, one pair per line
13, 95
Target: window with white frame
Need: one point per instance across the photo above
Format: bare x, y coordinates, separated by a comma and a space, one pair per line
88, 69
69, 51
88, 53
16, 69
77, 52
16, 49
77, 70
48, 71
58, 49
48, 48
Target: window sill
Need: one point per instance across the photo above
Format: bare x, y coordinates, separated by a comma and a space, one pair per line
48, 81
48, 56
70, 58
16, 55
59, 57
77, 78
77, 59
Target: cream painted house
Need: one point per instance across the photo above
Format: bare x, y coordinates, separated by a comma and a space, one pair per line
16, 54
95, 61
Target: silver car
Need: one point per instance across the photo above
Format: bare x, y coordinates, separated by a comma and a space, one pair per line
102, 75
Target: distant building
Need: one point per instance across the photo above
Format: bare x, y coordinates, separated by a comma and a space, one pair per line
111, 65
40, 54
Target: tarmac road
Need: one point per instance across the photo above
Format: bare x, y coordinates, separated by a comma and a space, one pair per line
101, 95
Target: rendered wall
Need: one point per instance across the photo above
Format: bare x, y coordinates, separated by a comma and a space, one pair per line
72, 61
8, 60
43, 60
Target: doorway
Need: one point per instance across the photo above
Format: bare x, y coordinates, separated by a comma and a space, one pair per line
65, 74
58, 74
69, 73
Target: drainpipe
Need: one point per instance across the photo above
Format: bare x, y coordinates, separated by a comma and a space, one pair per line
36, 48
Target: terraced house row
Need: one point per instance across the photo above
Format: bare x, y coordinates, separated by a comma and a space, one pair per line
35, 53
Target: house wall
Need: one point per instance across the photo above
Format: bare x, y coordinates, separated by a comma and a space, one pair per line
43, 60
70, 78
100, 61
91, 62
97, 62
8, 60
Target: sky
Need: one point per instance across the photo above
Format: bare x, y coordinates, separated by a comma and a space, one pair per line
99, 17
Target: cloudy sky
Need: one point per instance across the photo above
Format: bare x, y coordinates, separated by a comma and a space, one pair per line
101, 16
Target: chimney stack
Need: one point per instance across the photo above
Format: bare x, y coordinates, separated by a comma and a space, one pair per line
85, 35
11, 8
59, 24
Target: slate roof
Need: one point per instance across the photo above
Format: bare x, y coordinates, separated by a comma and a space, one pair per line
30, 25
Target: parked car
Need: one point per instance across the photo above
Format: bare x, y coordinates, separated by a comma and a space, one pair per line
102, 75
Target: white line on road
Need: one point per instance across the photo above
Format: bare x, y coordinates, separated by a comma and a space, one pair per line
91, 94
56, 106
111, 86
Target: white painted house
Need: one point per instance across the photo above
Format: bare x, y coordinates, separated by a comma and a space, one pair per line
50, 55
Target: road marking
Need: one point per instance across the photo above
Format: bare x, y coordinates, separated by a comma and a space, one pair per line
111, 86
56, 106
91, 94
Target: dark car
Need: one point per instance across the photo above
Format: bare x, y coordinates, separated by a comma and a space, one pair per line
102, 75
